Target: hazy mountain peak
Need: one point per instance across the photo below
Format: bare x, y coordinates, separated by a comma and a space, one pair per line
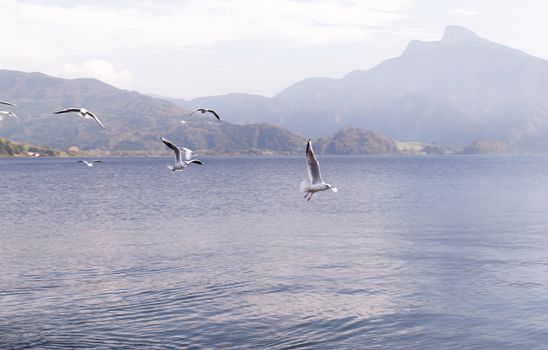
454, 35
455, 90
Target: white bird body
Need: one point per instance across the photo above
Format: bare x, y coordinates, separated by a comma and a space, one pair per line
313, 188
89, 164
84, 113
180, 163
6, 114
315, 183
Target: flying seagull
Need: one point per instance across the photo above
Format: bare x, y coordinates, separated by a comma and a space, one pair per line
180, 164
6, 114
84, 113
316, 183
90, 164
206, 110
7, 103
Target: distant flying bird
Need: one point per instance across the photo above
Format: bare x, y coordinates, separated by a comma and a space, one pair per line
206, 110
6, 114
7, 103
90, 164
316, 183
84, 113
180, 164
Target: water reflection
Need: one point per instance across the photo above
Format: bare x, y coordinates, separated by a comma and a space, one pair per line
412, 252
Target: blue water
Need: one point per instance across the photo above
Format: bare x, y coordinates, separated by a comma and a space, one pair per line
411, 253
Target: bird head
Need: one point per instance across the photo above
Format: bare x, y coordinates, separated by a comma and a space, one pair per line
332, 188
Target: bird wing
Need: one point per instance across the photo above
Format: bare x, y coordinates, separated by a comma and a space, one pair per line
97, 161
313, 165
214, 113
188, 153
174, 148
96, 119
68, 110
7, 103
196, 161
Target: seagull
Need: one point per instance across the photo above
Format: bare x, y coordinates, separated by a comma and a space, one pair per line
84, 113
180, 164
7, 103
6, 114
316, 183
206, 110
90, 164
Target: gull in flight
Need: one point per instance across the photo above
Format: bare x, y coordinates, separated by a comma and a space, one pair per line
84, 113
7, 103
90, 164
6, 114
180, 164
316, 183
206, 110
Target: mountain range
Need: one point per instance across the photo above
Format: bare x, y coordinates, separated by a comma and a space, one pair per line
453, 91
456, 91
134, 122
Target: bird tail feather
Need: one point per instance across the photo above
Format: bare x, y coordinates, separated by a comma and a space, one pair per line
170, 167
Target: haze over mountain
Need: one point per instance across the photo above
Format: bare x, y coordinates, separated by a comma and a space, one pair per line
454, 91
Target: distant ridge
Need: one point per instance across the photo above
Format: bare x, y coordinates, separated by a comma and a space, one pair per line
134, 122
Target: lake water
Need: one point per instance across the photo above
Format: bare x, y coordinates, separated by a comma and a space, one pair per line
411, 253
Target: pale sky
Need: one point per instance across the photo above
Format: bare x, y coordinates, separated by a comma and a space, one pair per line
193, 48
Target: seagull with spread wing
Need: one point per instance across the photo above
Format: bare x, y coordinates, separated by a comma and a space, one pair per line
84, 113
206, 110
180, 164
316, 183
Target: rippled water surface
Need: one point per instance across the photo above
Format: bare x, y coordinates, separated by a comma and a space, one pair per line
411, 253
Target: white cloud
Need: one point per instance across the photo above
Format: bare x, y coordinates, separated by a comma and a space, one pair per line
464, 12
98, 69
199, 23
144, 37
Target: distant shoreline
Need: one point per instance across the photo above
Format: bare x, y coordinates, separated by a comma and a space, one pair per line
270, 155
